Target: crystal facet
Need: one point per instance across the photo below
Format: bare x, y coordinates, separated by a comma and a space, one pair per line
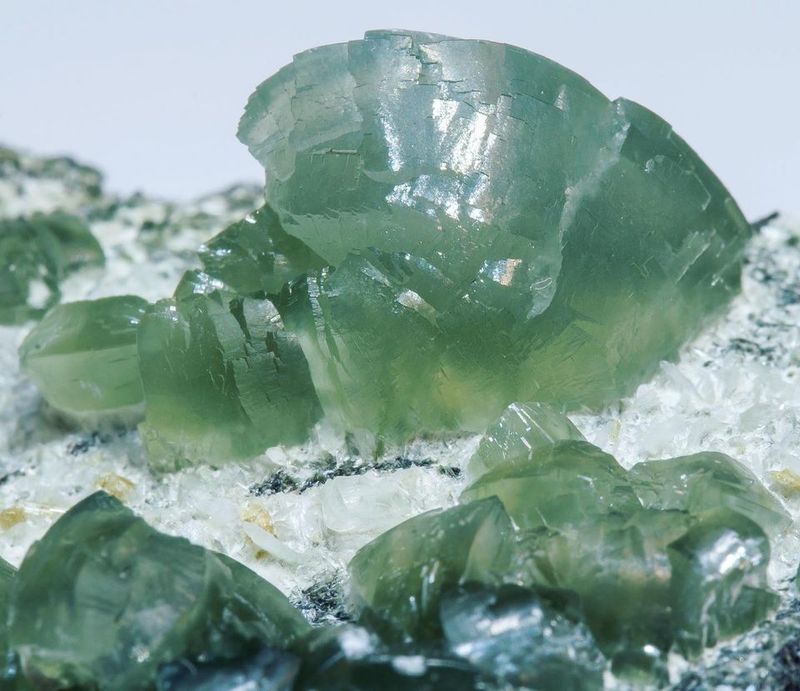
83, 358
222, 379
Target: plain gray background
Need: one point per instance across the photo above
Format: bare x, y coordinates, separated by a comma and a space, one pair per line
151, 91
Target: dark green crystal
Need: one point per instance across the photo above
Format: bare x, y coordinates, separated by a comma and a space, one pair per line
36, 253
103, 599
517, 636
526, 237
706, 482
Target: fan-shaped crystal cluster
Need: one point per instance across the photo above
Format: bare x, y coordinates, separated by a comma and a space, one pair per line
495, 229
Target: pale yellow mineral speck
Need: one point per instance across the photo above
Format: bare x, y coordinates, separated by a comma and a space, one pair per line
786, 481
116, 485
11, 517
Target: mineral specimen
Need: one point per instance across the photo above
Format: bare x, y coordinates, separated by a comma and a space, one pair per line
221, 379
491, 212
103, 600
397, 579
7, 573
36, 253
83, 357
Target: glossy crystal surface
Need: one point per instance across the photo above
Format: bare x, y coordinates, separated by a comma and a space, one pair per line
222, 379
532, 239
104, 599
36, 253
397, 579
83, 357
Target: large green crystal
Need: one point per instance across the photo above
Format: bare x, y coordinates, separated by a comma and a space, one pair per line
36, 253
397, 579
104, 599
491, 211
222, 379
83, 357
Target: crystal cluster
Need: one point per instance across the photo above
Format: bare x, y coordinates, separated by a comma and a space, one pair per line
650, 567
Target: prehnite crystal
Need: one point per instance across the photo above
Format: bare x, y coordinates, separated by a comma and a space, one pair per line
222, 379
36, 253
495, 229
83, 358
104, 599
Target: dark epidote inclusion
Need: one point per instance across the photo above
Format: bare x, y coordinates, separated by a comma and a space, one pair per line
451, 227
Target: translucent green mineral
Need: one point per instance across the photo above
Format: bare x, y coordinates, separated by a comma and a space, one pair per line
256, 256
498, 230
706, 482
397, 579
222, 379
104, 599
683, 571
83, 357
517, 636
36, 253
7, 573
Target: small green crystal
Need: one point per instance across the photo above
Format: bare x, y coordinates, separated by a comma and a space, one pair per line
705, 482
36, 253
256, 256
83, 357
397, 579
518, 432
719, 574
222, 379
567, 483
498, 230
103, 599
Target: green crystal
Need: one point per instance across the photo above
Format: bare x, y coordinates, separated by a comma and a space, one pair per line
221, 379
487, 208
397, 579
104, 599
36, 253
567, 483
350, 658
266, 670
517, 636
7, 573
680, 571
719, 580
705, 482
83, 357
518, 432
256, 256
